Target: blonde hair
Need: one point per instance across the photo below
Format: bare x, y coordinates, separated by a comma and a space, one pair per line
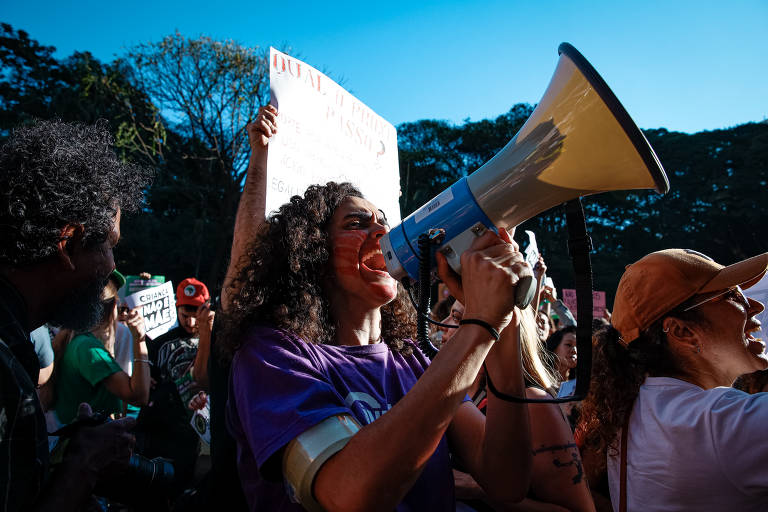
105, 331
538, 366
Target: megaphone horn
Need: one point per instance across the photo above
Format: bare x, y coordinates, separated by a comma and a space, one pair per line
578, 141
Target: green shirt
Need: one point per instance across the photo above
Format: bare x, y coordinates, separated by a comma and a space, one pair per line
83, 368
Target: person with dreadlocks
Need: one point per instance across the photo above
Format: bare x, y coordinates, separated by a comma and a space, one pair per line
332, 405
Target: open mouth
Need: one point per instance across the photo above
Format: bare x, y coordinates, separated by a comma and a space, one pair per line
374, 260
757, 345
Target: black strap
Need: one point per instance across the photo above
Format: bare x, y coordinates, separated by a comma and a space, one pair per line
483, 324
579, 247
623, 468
503, 396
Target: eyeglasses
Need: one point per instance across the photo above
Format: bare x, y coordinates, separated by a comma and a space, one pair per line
735, 293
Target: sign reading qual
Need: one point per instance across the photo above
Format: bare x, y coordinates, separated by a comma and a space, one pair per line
326, 134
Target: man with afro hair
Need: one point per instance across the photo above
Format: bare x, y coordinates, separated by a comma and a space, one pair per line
62, 192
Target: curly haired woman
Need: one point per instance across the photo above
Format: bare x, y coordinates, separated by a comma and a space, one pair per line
331, 403
661, 408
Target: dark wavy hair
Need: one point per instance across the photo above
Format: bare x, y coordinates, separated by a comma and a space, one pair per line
54, 174
556, 337
617, 374
284, 272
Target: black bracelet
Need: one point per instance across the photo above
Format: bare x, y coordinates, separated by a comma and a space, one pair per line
481, 323
498, 394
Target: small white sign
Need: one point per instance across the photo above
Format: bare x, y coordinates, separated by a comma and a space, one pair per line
201, 422
326, 134
158, 307
532, 251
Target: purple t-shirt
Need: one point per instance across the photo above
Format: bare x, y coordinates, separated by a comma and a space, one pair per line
281, 386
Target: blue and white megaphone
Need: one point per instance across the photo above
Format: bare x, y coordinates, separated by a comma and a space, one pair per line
578, 141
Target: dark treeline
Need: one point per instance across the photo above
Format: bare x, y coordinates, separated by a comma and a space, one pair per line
180, 105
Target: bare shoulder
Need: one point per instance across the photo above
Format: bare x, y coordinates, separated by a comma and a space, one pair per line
548, 424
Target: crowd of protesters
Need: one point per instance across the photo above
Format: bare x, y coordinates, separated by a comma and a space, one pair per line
317, 396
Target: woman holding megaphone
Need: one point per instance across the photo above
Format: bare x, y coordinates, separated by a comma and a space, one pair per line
332, 405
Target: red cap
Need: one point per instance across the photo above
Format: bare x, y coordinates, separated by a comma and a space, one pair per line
663, 280
191, 292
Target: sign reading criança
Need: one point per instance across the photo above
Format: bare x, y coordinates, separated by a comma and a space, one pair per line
158, 307
326, 134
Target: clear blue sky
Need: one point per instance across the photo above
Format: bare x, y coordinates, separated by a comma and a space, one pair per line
682, 65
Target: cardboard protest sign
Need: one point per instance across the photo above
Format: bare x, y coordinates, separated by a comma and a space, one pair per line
158, 307
569, 299
201, 422
326, 134
598, 302
532, 251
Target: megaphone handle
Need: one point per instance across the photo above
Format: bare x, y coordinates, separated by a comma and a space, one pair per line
525, 291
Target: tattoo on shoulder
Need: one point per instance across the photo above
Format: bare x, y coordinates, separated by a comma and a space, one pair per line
575, 459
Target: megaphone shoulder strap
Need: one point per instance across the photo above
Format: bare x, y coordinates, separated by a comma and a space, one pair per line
579, 247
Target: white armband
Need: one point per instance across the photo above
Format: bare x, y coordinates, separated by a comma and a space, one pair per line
308, 452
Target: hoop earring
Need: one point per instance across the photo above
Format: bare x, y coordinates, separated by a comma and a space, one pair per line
666, 330
698, 349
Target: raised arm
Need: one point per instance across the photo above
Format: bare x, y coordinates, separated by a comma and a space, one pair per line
205, 316
251, 210
134, 389
403, 440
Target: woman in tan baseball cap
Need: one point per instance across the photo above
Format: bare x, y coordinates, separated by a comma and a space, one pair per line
661, 416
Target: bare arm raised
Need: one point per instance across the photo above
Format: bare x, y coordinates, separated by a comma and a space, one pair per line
133, 388
252, 208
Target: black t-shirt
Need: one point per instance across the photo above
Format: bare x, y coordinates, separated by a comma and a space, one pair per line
164, 421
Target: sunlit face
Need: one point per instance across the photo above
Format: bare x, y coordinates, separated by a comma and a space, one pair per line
728, 339
457, 313
566, 351
81, 308
359, 268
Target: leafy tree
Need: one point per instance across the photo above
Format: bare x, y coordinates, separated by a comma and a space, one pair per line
30, 78
208, 91
34, 84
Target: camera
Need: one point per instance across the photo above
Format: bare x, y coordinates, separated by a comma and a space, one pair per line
153, 476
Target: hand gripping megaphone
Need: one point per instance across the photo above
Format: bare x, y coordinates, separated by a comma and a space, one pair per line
578, 141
